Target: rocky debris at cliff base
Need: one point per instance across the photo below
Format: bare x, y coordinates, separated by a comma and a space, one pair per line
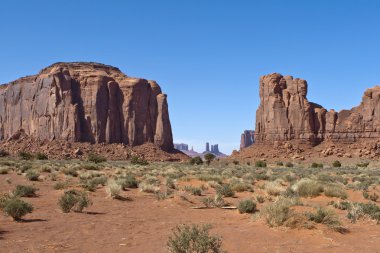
80, 150
327, 150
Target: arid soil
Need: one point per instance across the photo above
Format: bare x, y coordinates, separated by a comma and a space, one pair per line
143, 223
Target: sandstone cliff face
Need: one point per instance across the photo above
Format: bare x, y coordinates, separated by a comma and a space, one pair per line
286, 114
86, 102
247, 139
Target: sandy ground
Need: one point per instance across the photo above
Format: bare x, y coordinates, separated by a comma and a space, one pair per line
143, 224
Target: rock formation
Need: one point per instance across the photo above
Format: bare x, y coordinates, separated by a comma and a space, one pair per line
181, 146
85, 102
247, 138
285, 114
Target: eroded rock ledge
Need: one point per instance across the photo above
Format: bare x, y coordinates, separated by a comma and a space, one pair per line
285, 114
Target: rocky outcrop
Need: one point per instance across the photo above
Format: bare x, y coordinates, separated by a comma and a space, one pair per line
247, 139
86, 102
285, 114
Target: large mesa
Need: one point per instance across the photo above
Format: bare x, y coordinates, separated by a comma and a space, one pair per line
85, 102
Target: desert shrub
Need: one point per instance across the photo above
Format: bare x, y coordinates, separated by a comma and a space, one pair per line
46, 169
241, 187
342, 205
3, 199
247, 206
260, 199
96, 158
8, 180
162, 195
89, 166
261, 164
363, 165
24, 191
273, 188
280, 164
41, 156
289, 193
336, 164
70, 172
196, 160
225, 190
25, 168
92, 184
25, 155
308, 188
148, 188
316, 165
335, 191
235, 162
262, 176
129, 181
73, 200
193, 190
276, 213
373, 197
3, 153
169, 182
289, 165
329, 218
209, 158
194, 239
136, 160
3, 171
17, 208
60, 186
32, 175
113, 189
299, 221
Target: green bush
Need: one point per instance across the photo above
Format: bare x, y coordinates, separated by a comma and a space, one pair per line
261, 164
196, 160
280, 164
128, 182
289, 165
225, 190
70, 172
260, 199
17, 208
209, 157
60, 186
25, 155
73, 200
247, 206
3, 153
96, 158
193, 239
193, 190
329, 218
136, 160
32, 175
41, 156
3, 171
363, 165
24, 191
336, 164
316, 165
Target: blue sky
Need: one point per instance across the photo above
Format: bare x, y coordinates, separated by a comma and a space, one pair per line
207, 55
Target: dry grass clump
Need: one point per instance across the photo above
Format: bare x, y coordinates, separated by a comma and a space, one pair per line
308, 188
273, 188
335, 190
113, 189
73, 200
329, 218
148, 188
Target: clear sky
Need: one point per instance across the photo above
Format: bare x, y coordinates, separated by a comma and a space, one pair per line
207, 55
